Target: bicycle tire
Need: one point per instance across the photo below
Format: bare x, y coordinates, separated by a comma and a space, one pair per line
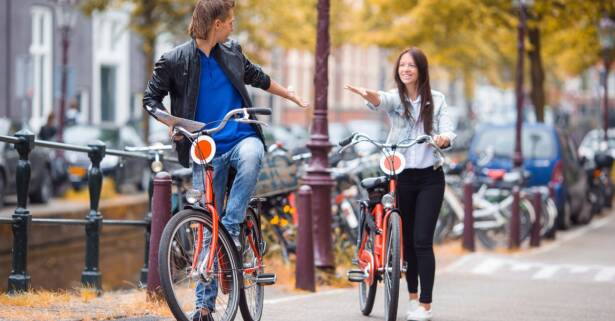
227, 275
367, 293
251, 303
499, 237
392, 267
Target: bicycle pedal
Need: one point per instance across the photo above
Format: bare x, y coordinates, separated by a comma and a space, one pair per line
356, 275
266, 279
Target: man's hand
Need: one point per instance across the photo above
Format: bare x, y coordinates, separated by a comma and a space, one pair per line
441, 141
292, 96
174, 136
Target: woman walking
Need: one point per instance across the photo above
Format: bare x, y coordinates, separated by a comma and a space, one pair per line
414, 109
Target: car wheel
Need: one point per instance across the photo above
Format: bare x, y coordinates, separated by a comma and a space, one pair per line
586, 212
43, 194
117, 179
564, 220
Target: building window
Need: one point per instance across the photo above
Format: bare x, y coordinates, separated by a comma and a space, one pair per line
108, 92
41, 50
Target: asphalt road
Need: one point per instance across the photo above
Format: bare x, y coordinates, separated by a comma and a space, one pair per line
572, 278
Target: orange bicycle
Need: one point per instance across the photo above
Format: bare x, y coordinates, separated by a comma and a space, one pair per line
379, 254
196, 252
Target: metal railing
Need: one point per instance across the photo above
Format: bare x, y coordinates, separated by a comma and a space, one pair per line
24, 142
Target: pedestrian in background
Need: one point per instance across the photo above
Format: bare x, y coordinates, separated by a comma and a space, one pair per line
414, 109
49, 130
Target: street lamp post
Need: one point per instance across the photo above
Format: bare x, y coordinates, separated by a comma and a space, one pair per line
318, 177
515, 222
606, 32
66, 16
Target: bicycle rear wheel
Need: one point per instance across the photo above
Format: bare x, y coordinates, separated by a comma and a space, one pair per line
252, 293
499, 237
175, 264
392, 267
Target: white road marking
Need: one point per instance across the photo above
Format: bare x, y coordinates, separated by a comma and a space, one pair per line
489, 266
546, 272
306, 296
605, 275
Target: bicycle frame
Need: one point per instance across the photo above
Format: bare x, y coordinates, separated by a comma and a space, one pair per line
381, 219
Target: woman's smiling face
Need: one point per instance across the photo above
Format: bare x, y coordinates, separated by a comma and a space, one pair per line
408, 72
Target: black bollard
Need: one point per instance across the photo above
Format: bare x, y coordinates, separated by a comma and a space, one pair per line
148, 220
468, 209
305, 272
91, 276
19, 280
161, 214
537, 203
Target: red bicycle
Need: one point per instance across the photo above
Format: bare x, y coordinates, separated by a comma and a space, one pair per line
379, 253
197, 253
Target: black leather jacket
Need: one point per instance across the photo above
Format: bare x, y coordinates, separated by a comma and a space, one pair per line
178, 71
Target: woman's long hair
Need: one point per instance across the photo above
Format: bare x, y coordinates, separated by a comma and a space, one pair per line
424, 88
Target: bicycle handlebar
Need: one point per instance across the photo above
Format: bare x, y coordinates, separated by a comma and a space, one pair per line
192, 129
156, 147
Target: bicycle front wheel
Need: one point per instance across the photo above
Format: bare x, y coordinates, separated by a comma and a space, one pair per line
367, 292
252, 293
185, 289
392, 267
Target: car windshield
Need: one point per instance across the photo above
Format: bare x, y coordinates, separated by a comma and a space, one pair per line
535, 143
83, 135
593, 139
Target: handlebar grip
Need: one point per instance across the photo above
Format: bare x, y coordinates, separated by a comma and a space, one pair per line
260, 110
422, 139
346, 140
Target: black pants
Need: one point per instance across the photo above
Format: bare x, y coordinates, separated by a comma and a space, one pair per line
420, 198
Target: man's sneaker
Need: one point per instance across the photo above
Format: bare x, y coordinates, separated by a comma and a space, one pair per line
199, 316
419, 314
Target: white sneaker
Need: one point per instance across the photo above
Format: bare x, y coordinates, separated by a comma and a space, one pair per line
414, 304
419, 314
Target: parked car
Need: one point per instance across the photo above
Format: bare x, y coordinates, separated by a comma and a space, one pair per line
594, 141
597, 154
42, 174
126, 170
550, 157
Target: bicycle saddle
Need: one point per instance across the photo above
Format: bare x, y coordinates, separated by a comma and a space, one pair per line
371, 182
172, 121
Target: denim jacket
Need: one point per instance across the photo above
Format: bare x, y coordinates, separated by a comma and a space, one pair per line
401, 128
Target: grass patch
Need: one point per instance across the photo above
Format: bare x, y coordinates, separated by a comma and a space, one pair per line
78, 304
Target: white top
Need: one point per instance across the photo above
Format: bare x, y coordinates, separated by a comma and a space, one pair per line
420, 155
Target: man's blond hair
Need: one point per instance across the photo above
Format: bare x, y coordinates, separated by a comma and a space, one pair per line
205, 13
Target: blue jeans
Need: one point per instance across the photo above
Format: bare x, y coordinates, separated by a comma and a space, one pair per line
245, 158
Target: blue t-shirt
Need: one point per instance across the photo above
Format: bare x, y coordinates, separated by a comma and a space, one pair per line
217, 96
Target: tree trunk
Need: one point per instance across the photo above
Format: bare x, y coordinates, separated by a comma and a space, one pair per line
537, 74
468, 91
149, 43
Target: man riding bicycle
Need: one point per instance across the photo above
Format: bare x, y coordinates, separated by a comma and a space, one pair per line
207, 77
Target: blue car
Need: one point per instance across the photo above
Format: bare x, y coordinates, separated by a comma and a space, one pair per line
550, 157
